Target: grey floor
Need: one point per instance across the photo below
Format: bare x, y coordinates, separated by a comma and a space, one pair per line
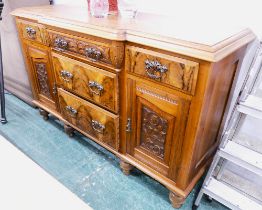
84, 167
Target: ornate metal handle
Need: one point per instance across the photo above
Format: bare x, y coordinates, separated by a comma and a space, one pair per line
54, 89
66, 75
128, 125
71, 111
95, 88
93, 53
30, 32
60, 44
97, 126
154, 69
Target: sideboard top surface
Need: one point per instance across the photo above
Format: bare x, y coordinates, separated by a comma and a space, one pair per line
195, 37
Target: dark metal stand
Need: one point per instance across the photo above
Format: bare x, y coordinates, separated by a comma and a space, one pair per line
2, 88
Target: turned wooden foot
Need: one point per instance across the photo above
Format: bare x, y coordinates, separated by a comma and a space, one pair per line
69, 130
176, 200
44, 114
126, 167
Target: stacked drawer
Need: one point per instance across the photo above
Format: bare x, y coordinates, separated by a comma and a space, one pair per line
105, 53
32, 31
170, 71
88, 91
91, 119
89, 82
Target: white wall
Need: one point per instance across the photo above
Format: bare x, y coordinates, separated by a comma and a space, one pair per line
243, 12
70, 2
15, 75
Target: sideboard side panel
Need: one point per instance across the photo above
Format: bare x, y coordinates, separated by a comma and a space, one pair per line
215, 99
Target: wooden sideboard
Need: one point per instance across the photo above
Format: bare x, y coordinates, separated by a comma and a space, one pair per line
150, 90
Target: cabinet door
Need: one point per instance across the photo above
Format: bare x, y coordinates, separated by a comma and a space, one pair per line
156, 124
41, 75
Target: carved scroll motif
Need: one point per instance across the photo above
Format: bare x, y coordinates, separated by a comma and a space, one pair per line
153, 132
42, 79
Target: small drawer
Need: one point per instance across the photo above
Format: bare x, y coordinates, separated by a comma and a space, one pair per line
105, 53
32, 31
94, 121
87, 81
169, 70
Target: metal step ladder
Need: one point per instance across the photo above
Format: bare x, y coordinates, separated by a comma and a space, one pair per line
247, 104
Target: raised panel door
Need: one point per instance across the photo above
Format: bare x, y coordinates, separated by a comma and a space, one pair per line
156, 126
41, 73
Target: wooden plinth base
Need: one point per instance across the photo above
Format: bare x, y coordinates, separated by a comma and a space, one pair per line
69, 130
126, 167
44, 114
176, 200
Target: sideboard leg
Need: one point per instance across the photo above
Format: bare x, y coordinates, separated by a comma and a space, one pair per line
126, 167
69, 130
176, 200
44, 114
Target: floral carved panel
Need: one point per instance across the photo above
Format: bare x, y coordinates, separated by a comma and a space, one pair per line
42, 79
153, 132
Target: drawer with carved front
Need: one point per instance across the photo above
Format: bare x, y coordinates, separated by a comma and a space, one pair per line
97, 123
32, 31
87, 81
104, 53
168, 70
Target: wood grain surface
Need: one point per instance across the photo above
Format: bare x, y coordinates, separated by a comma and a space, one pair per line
176, 72
93, 120
143, 88
89, 82
158, 122
94, 50
190, 38
40, 72
32, 31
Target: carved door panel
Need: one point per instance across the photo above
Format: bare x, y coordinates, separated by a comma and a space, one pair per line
41, 74
156, 127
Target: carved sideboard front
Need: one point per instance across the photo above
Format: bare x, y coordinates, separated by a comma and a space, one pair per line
154, 100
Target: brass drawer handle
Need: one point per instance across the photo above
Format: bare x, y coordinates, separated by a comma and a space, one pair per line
72, 112
95, 88
60, 44
93, 53
97, 126
66, 75
128, 125
30, 32
54, 89
154, 69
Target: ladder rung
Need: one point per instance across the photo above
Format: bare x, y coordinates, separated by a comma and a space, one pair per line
230, 197
242, 156
251, 106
